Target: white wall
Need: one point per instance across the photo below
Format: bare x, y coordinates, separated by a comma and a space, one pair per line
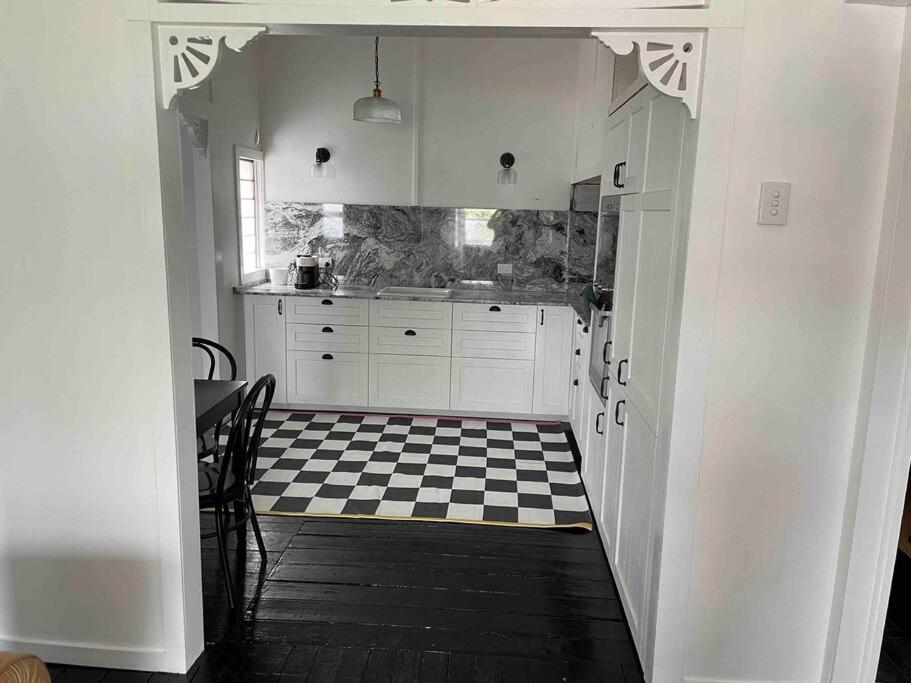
477, 98
815, 107
233, 120
308, 86
93, 568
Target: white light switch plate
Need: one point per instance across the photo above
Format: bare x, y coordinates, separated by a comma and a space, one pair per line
774, 199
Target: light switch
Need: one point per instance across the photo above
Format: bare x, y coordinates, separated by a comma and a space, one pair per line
773, 203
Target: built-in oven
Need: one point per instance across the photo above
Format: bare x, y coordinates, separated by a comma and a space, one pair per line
602, 303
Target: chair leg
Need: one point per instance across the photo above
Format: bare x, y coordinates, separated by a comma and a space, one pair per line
255, 523
221, 536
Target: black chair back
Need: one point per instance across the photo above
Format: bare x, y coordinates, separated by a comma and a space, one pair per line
246, 434
212, 348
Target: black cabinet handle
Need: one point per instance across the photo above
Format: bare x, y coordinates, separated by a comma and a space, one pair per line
601, 388
620, 379
605, 356
495, 309
598, 427
326, 302
542, 316
585, 330
616, 175
410, 333
617, 414
578, 321
328, 329
619, 166
327, 356
575, 382
279, 306
578, 352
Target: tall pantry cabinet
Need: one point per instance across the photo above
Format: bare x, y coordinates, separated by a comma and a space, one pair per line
645, 141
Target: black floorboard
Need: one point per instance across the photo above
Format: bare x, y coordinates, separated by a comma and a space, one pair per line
367, 600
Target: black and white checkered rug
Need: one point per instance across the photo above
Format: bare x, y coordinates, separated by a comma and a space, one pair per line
428, 468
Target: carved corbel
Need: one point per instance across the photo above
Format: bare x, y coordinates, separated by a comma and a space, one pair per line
187, 54
671, 61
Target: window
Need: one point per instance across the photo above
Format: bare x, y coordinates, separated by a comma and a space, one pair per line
249, 164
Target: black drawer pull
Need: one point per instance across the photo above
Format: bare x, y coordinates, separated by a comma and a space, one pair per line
326, 302
585, 330
410, 333
495, 309
620, 379
617, 414
578, 321
575, 382
328, 329
598, 427
578, 352
327, 356
601, 388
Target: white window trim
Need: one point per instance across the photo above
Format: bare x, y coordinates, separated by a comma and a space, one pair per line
255, 154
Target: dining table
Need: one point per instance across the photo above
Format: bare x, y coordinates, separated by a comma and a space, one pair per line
216, 399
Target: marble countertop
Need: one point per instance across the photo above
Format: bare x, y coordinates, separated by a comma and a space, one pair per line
474, 296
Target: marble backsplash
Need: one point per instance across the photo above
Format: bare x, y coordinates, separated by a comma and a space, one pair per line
435, 247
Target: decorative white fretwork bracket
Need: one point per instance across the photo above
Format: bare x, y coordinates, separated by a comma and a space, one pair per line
187, 54
671, 61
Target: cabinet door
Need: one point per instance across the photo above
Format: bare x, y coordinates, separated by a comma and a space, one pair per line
492, 385
264, 322
333, 379
613, 457
624, 281
593, 470
406, 382
616, 151
552, 360
637, 111
634, 530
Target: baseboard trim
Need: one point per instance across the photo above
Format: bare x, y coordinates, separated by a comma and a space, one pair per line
90, 654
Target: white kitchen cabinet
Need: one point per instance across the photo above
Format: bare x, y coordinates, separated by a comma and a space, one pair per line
626, 144
492, 385
495, 317
264, 323
411, 342
593, 466
480, 344
553, 360
326, 338
632, 565
328, 311
411, 314
331, 379
613, 454
593, 97
406, 382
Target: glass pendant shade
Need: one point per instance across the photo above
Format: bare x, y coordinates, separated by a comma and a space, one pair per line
507, 176
377, 109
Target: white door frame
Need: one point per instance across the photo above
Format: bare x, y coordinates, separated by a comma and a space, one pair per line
882, 443
698, 273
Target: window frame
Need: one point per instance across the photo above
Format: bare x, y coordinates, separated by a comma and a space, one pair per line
256, 156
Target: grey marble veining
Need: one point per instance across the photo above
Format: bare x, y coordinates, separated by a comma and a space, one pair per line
437, 247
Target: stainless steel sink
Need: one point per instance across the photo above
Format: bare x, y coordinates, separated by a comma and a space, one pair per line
425, 292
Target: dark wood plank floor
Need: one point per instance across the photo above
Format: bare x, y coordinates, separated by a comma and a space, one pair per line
365, 600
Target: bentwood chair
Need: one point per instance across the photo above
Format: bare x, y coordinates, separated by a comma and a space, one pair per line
213, 350
227, 482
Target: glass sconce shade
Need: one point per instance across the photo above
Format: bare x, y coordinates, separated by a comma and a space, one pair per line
507, 174
321, 167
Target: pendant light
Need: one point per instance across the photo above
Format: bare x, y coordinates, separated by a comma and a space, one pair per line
507, 175
321, 167
377, 109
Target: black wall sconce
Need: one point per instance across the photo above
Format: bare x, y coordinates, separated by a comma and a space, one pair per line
507, 174
322, 168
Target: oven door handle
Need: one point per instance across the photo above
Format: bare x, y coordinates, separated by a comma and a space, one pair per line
605, 356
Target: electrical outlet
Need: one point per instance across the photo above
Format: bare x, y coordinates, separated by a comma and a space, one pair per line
325, 262
774, 199
504, 269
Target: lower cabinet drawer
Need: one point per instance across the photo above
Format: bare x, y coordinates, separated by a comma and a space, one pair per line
327, 311
410, 341
495, 317
331, 338
493, 385
409, 382
478, 344
327, 378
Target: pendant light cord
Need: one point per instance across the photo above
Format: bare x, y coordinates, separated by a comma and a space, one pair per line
376, 61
